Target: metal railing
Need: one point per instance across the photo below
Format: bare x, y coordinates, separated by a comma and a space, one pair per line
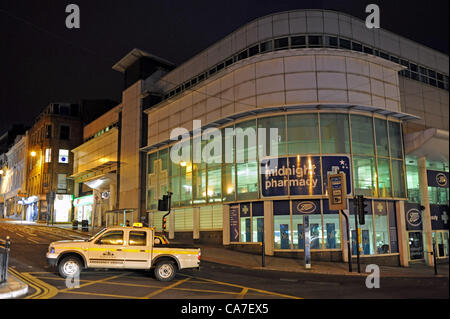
4, 255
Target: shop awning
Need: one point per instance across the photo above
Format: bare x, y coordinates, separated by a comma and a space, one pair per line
95, 171
431, 143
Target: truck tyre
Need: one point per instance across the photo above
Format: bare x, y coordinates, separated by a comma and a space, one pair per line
165, 270
70, 266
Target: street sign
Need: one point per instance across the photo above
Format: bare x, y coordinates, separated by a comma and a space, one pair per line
337, 190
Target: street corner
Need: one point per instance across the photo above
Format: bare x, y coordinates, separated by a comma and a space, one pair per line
13, 288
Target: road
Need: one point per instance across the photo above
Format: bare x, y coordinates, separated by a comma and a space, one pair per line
213, 281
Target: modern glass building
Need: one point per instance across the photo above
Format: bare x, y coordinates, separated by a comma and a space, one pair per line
342, 97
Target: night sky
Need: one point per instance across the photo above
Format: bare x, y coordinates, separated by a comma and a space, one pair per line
42, 61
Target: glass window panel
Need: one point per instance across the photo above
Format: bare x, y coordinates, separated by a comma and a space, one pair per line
398, 178
199, 184
258, 229
174, 187
366, 243
229, 183
299, 41
247, 180
412, 180
214, 192
138, 238
334, 133
111, 238
331, 228
315, 228
364, 176
303, 134
151, 159
246, 234
281, 43
384, 178
249, 150
282, 233
381, 137
298, 232
362, 135
164, 156
381, 229
186, 184
395, 137
268, 123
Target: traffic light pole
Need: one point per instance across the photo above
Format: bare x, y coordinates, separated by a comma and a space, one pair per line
348, 242
357, 236
169, 194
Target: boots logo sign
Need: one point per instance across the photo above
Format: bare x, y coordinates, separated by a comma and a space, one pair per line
306, 207
441, 179
413, 217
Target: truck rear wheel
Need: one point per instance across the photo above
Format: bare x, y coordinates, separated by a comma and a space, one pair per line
69, 267
165, 270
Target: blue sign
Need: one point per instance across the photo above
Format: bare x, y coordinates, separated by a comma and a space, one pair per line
234, 223
439, 217
437, 179
336, 164
291, 176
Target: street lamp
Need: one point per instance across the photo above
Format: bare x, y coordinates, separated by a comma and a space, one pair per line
33, 153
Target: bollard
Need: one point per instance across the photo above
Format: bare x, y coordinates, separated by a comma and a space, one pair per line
434, 259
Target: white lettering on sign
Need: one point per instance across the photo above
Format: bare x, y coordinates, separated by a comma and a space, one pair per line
373, 19
73, 19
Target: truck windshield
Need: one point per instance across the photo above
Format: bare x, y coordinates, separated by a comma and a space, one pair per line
100, 232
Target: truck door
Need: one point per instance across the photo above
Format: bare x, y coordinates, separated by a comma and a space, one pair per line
108, 250
138, 252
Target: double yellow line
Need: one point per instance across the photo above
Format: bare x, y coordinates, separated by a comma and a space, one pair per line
43, 290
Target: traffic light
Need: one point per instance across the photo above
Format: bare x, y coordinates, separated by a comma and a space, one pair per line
163, 204
164, 223
360, 201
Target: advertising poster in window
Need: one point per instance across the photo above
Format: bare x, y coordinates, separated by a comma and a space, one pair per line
331, 235
284, 234
234, 223
437, 179
439, 217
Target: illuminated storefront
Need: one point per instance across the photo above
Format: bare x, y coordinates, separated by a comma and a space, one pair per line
62, 208
83, 208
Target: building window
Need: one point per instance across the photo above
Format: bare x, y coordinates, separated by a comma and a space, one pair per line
398, 179
48, 132
362, 135
63, 156
395, 138
331, 227
281, 224
315, 41
384, 178
48, 155
331, 42
62, 182
381, 137
281, 43
267, 46
276, 123
364, 177
366, 231
334, 133
64, 133
303, 134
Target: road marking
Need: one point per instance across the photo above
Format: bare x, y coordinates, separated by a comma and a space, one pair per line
99, 294
49, 290
94, 282
157, 292
242, 293
26, 280
239, 286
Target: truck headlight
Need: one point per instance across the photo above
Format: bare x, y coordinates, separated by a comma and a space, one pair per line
51, 250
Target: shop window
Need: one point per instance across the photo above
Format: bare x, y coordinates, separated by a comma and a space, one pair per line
438, 195
303, 134
381, 137
366, 243
384, 178
334, 133
186, 183
393, 239
258, 222
398, 179
331, 227
245, 223
229, 182
381, 227
281, 225
362, 135
199, 183
364, 179
395, 138
247, 180
412, 181
268, 124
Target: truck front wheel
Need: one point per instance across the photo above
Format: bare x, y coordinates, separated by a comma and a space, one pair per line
70, 267
165, 270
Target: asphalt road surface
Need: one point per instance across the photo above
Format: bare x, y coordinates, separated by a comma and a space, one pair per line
213, 281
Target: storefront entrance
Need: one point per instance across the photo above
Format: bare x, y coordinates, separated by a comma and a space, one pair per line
415, 246
440, 239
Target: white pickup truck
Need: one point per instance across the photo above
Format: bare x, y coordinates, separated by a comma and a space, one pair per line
122, 248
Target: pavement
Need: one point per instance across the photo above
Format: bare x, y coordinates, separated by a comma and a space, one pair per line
13, 288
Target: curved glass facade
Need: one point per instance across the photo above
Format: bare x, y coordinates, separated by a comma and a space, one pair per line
374, 145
